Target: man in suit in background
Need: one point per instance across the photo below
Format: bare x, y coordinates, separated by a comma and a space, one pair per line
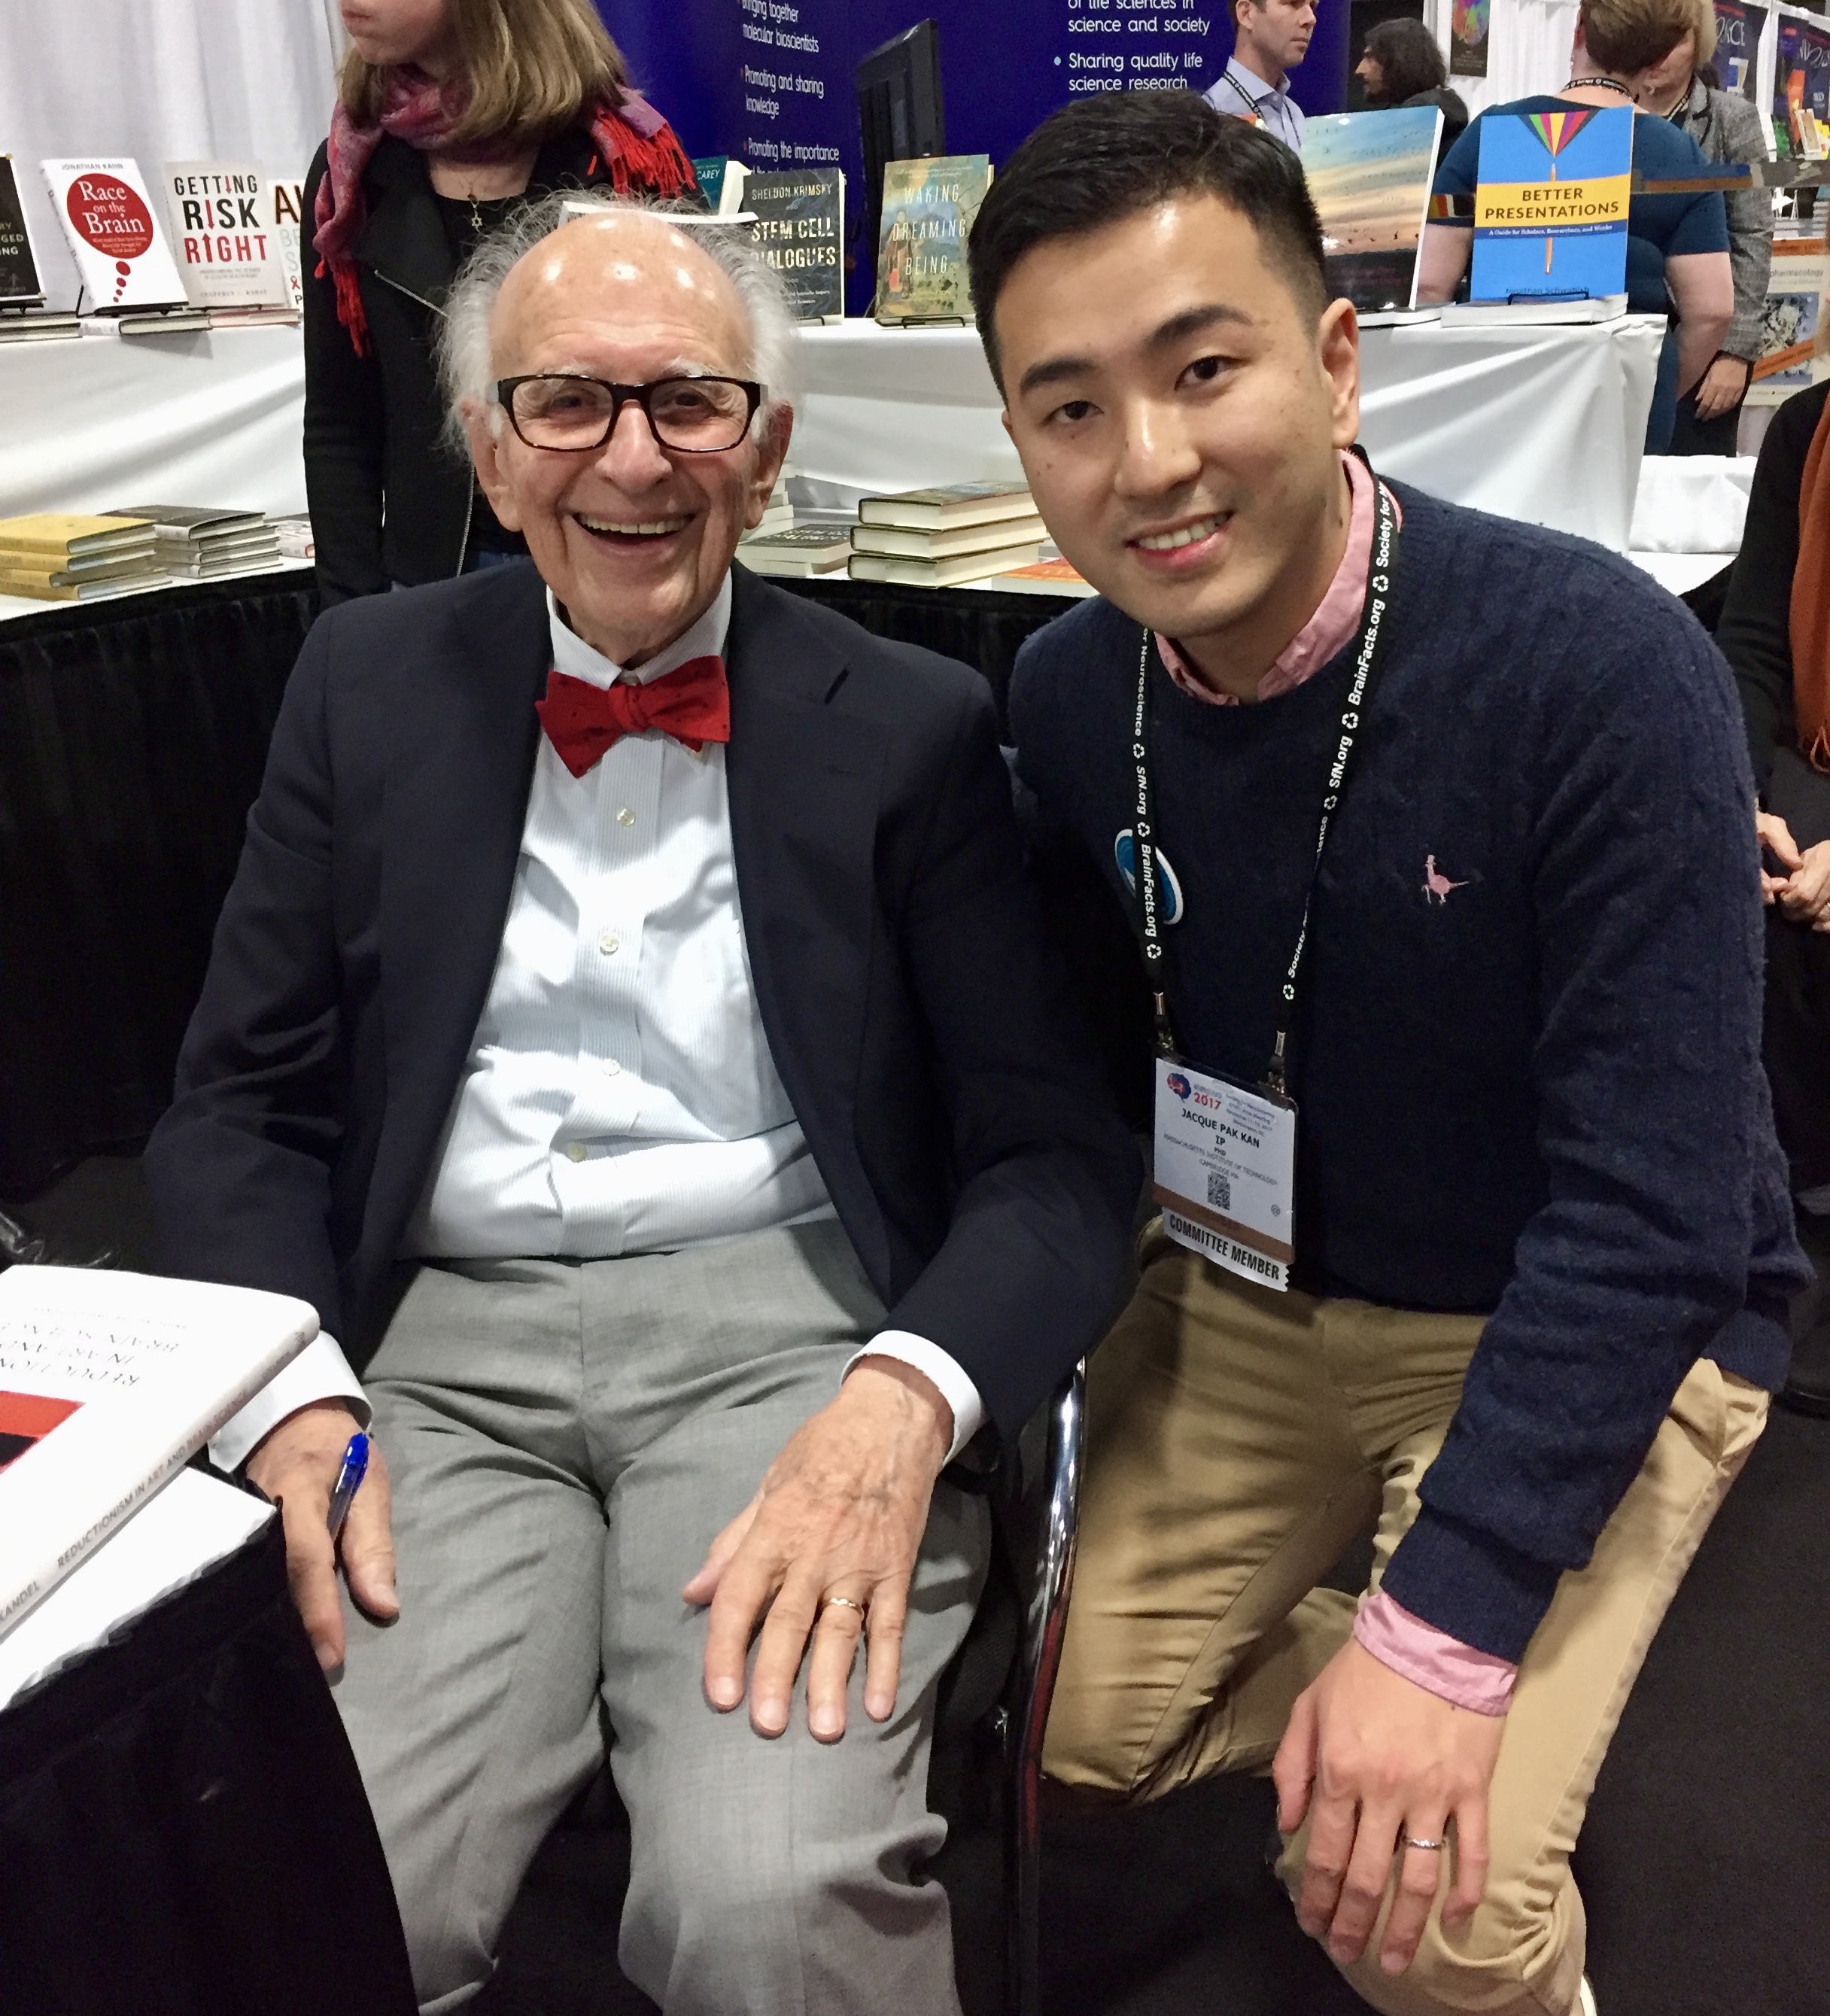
1272, 37
686, 1034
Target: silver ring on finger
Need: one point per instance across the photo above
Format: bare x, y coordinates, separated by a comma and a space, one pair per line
1429, 1847
842, 1602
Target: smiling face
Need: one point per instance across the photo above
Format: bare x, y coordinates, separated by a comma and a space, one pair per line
400, 31
1180, 415
634, 539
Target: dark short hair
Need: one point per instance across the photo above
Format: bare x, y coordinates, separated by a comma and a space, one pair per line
1106, 158
1408, 58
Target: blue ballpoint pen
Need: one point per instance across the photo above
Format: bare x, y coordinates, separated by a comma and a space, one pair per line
355, 1468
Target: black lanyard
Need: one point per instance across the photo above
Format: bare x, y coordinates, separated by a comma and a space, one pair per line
1146, 884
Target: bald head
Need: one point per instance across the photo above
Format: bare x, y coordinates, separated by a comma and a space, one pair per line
631, 271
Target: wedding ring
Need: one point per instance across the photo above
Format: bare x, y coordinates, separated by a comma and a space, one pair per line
1429, 1847
845, 1602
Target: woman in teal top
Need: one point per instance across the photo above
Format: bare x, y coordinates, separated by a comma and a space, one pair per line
1676, 245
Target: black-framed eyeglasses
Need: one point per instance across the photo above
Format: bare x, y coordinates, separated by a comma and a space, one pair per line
564, 411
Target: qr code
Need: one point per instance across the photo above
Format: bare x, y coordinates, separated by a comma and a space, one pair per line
1219, 1191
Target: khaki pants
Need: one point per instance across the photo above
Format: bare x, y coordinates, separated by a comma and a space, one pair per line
1239, 1441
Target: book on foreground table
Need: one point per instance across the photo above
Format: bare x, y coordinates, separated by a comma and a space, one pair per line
56, 536
942, 573
33, 588
907, 544
195, 1522
950, 504
110, 1382
1055, 577
799, 552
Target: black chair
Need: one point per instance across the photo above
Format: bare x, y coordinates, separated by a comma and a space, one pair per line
1045, 1623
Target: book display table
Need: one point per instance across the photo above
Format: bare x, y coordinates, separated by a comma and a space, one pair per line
183, 1829
1544, 424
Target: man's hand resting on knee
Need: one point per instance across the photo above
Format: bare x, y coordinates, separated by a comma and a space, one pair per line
296, 1465
1370, 1756
841, 1513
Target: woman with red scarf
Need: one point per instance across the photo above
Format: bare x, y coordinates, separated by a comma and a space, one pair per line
449, 113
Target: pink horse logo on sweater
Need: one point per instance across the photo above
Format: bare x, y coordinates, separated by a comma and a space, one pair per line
1436, 885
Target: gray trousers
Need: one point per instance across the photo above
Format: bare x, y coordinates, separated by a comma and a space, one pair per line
564, 1441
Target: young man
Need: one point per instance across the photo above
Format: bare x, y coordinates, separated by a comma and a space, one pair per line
1272, 39
1434, 828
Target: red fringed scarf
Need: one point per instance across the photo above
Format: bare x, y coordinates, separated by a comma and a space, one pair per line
636, 144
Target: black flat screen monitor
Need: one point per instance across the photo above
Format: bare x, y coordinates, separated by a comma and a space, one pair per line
900, 112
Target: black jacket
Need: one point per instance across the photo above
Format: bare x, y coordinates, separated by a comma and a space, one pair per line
389, 501
962, 1128
1755, 632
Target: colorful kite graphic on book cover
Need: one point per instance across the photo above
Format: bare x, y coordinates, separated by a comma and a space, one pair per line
1557, 130
1550, 203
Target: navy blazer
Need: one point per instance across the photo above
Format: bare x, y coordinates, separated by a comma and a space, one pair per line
962, 1126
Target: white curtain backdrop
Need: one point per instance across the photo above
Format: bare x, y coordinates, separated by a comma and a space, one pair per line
1528, 49
159, 81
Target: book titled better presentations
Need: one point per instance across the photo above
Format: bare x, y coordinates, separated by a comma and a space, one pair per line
110, 1382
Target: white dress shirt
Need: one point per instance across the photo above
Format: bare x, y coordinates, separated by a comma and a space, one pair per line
1242, 93
620, 1096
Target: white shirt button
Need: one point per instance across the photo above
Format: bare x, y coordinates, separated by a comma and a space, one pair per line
608, 943
624, 816
612, 1067
576, 1151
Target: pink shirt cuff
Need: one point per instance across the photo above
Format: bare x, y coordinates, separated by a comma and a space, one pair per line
1481, 1681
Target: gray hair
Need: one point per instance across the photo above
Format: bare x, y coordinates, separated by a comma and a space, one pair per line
467, 369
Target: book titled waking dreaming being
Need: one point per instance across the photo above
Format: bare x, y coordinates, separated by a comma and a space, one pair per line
929, 208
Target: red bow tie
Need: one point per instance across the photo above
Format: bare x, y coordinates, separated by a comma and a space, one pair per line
692, 704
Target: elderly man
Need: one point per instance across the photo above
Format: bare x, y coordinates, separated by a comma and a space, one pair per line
629, 1027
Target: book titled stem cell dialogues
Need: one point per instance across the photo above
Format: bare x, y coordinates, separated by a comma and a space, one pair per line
800, 229
1549, 218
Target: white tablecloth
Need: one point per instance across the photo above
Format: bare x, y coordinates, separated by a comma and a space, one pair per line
207, 416
1543, 424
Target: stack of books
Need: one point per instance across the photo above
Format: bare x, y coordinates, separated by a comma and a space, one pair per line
193, 543
801, 552
934, 539
62, 556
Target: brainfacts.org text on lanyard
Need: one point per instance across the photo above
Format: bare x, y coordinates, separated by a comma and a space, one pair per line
1226, 1153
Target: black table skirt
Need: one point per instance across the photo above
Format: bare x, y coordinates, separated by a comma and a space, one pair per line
132, 738
183, 1829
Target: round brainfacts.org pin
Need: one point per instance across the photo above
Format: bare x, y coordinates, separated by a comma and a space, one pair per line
1125, 855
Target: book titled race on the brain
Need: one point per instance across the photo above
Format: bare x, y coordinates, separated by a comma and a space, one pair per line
107, 215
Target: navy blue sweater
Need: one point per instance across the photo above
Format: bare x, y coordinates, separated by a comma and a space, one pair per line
1540, 1095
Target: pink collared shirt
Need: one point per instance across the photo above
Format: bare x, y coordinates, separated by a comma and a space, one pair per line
1457, 1673
1328, 631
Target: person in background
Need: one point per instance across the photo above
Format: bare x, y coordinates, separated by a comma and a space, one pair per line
1775, 633
1728, 127
1677, 260
1271, 39
450, 114
1403, 65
